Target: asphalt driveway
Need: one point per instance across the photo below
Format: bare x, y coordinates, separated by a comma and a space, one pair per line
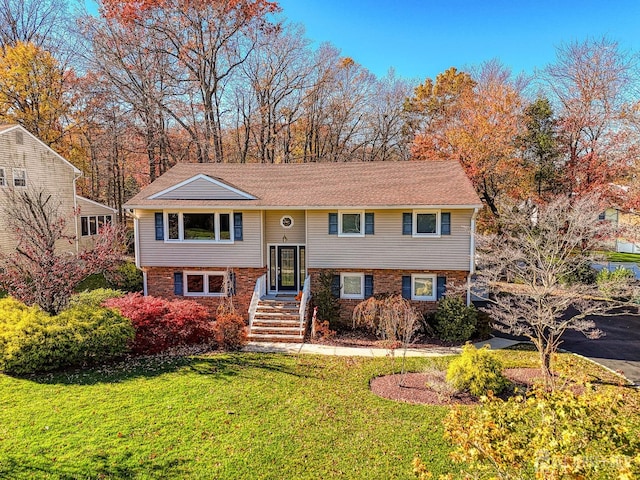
618, 349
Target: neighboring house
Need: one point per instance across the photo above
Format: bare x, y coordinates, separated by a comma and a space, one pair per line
628, 220
91, 218
28, 163
381, 227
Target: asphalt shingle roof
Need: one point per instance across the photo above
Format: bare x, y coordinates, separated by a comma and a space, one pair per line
318, 185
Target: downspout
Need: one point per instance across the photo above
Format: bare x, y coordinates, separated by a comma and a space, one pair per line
472, 254
136, 237
136, 249
75, 210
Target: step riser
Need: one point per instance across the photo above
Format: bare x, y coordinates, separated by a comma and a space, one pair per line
276, 326
271, 339
277, 321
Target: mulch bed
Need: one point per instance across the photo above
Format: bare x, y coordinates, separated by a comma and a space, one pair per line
413, 388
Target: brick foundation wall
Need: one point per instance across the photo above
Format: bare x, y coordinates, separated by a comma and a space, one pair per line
160, 284
388, 282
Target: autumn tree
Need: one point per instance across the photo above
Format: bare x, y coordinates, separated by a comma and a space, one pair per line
531, 272
33, 91
44, 269
208, 40
385, 120
475, 120
129, 59
594, 87
270, 93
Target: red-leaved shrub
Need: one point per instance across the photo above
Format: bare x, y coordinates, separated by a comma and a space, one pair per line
229, 331
161, 324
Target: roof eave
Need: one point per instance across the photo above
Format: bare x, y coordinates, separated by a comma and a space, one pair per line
237, 206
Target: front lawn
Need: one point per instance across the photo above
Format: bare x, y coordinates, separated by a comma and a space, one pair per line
247, 416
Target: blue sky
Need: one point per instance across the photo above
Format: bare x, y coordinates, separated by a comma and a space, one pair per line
423, 38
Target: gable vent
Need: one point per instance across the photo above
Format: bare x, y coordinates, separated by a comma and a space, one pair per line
19, 138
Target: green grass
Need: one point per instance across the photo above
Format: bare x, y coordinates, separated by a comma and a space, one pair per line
244, 416
622, 257
221, 416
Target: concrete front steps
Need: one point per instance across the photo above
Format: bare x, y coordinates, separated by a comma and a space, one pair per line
277, 320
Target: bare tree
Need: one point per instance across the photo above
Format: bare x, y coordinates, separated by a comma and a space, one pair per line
32, 21
531, 273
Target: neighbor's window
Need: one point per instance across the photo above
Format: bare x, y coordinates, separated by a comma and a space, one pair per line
19, 177
352, 285
91, 224
210, 226
204, 283
3, 177
426, 223
423, 287
351, 224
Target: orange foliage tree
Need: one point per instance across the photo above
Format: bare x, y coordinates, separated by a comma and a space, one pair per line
476, 121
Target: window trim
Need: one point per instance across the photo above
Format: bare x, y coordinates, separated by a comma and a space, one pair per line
434, 287
24, 170
348, 296
216, 221
289, 217
351, 212
415, 233
205, 275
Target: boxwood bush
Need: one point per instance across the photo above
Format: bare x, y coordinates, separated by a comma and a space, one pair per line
454, 320
31, 340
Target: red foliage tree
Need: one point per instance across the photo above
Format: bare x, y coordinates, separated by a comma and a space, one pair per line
161, 324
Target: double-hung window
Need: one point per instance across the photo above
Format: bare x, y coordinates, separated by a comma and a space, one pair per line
426, 223
351, 223
3, 177
423, 287
19, 177
197, 227
352, 285
200, 284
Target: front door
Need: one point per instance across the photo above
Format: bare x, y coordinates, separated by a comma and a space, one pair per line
287, 269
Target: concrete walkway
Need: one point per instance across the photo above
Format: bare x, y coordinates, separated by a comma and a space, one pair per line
315, 349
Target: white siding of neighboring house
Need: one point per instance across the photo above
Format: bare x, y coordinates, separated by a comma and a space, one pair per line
388, 247
157, 253
88, 208
45, 171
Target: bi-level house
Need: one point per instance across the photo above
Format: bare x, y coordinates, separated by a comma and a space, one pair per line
26, 163
380, 227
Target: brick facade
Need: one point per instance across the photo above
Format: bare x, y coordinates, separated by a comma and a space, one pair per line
160, 284
388, 282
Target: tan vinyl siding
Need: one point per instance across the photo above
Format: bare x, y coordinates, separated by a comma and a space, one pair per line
157, 253
88, 208
388, 248
202, 189
274, 232
44, 171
